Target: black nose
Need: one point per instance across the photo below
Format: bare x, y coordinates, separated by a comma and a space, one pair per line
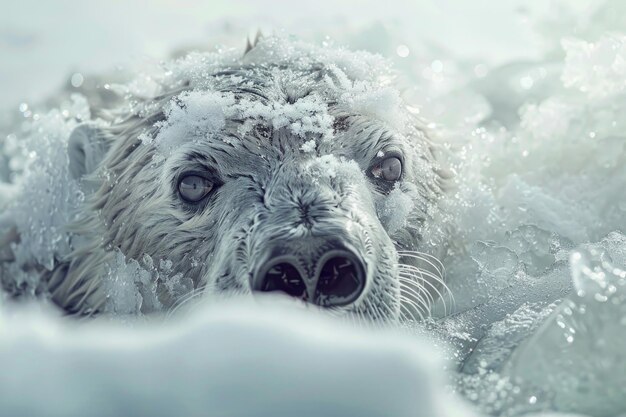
282, 275
338, 280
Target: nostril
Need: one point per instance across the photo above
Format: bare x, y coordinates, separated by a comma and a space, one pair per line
283, 276
341, 279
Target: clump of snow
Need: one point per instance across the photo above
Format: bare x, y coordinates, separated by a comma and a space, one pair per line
309, 147
360, 84
380, 103
394, 210
200, 115
192, 115
548, 120
327, 167
596, 68
307, 115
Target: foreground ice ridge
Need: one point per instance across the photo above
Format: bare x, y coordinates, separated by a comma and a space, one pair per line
273, 360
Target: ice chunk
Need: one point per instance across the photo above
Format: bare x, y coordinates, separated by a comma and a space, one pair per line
122, 283
577, 360
48, 196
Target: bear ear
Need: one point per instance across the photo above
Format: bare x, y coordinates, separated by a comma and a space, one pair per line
86, 148
250, 45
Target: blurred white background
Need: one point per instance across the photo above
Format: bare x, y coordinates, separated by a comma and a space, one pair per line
43, 42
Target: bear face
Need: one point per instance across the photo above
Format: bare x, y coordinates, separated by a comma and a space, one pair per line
298, 171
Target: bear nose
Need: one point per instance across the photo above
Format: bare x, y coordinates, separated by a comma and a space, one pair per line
338, 280
282, 275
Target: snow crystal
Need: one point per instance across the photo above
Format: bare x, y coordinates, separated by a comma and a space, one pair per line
200, 115
308, 147
307, 115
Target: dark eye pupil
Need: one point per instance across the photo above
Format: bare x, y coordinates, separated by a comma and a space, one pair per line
194, 188
390, 169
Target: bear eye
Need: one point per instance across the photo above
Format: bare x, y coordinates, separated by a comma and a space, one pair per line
193, 188
389, 169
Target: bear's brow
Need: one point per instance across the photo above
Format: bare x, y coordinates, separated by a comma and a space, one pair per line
200, 158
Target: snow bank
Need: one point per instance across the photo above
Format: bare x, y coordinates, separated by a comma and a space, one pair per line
232, 360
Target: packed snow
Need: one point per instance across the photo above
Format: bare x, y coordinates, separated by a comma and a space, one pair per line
235, 360
537, 269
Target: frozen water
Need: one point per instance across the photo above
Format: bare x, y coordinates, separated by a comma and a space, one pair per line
584, 333
535, 220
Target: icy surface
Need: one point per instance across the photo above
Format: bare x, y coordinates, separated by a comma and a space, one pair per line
535, 217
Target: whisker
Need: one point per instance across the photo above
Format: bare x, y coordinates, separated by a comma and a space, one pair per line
425, 272
406, 314
375, 312
432, 286
421, 274
445, 288
409, 290
411, 280
416, 308
425, 257
431, 275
